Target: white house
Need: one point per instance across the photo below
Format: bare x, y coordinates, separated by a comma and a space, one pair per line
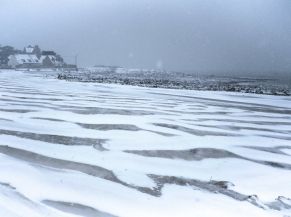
24, 60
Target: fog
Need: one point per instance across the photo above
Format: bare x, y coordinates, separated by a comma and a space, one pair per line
207, 36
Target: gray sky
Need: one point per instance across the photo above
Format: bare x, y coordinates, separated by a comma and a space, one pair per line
237, 36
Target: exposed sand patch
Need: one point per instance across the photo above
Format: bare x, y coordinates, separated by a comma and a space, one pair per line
77, 209
55, 139
193, 131
125, 127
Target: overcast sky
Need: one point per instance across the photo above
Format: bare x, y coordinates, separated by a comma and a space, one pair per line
237, 36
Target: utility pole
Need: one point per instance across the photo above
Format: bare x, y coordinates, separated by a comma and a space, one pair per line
76, 61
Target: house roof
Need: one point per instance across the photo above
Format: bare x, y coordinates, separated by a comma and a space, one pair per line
52, 58
26, 59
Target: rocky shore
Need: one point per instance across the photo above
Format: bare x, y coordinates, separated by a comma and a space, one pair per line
172, 80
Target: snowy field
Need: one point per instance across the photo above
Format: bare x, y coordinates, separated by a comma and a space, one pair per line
83, 149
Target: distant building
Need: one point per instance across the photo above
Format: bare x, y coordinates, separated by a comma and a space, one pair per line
30, 57
32, 50
29, 50
50, 61
48, 52
24, 61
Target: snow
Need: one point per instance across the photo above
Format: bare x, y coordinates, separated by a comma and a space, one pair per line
42, 126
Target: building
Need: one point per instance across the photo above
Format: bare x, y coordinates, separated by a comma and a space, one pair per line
50, 61
48, 52
24, 61
29, 50
30, 57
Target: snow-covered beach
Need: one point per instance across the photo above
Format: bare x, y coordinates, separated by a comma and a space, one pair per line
85, 149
